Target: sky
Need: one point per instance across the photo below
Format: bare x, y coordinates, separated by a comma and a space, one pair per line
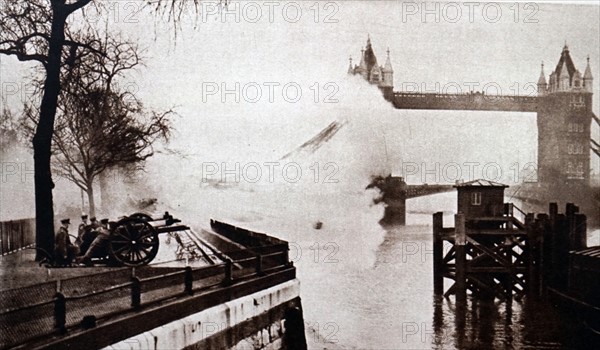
282, 48
501, 51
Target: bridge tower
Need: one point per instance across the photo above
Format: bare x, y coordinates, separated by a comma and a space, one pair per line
371, 71
564, 130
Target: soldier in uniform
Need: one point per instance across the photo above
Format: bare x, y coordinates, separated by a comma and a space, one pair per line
94, 223
64, 250
99, 245
81, 229
89, 234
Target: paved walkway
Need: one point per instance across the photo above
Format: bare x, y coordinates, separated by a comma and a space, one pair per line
20, 269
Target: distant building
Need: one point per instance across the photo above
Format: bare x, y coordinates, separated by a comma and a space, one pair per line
368, 68
564, 124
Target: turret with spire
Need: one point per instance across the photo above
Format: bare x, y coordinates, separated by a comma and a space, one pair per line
383, 76
350, 68
388, 72
362, 67
588, 79
565, 76
542, 85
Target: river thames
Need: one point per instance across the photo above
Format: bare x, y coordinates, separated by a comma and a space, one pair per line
366, 287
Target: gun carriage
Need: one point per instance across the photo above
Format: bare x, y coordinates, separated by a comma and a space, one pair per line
134, 239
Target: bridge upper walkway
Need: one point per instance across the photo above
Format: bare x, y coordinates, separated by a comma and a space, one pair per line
466, 101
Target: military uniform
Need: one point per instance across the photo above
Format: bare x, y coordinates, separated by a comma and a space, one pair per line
81, 230
89, 234
64, 250
98, 247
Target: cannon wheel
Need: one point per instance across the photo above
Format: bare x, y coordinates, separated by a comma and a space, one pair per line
134, 242
141, 216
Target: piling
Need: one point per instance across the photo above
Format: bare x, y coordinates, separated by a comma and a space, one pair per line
533, 244
461, 258
438, 253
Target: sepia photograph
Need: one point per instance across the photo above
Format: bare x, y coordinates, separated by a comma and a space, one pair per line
299, 174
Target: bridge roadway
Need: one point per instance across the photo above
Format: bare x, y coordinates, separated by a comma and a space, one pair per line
466, 101
414, 191
395, 188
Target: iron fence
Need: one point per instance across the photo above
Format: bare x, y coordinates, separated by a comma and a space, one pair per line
52, 308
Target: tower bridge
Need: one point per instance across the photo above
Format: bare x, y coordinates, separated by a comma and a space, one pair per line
563, 107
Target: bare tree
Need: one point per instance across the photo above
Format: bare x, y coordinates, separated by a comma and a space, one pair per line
37, 30
101, 129
100, 125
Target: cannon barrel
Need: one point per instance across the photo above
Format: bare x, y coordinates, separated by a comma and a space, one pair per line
166, 220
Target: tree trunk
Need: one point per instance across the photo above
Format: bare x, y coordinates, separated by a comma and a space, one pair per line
42, 140
90, 193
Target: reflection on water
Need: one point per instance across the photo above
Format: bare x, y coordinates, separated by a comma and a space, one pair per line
391, 306
529, 323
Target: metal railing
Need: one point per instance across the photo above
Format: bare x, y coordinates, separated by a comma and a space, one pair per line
511, 210
81, 305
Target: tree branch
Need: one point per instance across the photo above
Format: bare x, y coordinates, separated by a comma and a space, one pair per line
76, 5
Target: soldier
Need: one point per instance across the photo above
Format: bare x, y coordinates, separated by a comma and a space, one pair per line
94, 223
64, 250
81, 229
99, 245
89, 234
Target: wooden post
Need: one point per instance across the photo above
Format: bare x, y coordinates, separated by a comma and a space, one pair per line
460, 240
510, 213
228, 279
259, 265
188, 281
136, 292
560, 251
571, 210
553, 211
534, 235
580, 232
579, 240
546, 263
438, 254
529, 218
60, 313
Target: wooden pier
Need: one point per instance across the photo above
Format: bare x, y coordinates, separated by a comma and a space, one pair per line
489, 256
504, 253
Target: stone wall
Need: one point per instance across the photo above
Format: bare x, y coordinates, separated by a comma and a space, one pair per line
268, 319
